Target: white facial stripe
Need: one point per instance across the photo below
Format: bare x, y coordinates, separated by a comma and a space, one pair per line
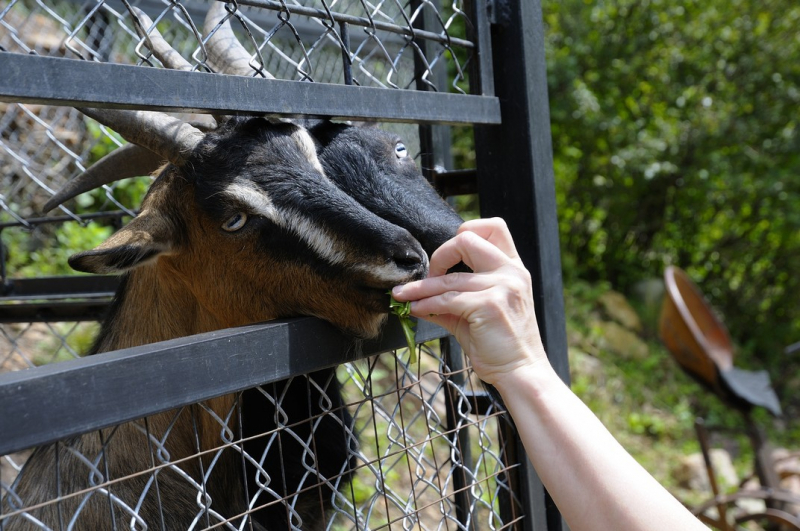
256, 200
306, 145
316, 237
324, 244
388, 273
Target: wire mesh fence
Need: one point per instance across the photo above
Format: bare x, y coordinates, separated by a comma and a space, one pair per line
394, 446
373, 444
374, 44
333, 41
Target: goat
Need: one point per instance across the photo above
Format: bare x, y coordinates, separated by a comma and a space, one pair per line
251, 221
373, 167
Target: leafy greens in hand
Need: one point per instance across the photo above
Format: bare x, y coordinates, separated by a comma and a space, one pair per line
403, 312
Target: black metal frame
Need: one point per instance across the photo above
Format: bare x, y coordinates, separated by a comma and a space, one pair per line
514, 177
123, 385
516, 181
32, 79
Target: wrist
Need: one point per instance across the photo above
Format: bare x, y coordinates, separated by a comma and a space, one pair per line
537, 375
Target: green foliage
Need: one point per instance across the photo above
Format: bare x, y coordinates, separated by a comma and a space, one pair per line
675, 134
128, 192
649, 404
70, 340
27, 258
44, 250
403, 312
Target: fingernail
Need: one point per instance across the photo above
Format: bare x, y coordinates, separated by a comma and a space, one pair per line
397, 290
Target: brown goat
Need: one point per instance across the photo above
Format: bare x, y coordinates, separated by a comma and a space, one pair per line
243, 225
213, 249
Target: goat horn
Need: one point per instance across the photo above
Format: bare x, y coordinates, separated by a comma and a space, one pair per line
164, 135
165, 53
154, 136
160, 48
225, 53
129, 160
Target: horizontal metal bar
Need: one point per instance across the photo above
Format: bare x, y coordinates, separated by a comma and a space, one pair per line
72, 287
51, 402
57, 81
412, 33
456, 182
56, 299
54, 312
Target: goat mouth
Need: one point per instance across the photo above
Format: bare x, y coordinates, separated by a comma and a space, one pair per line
375, 291
376, 298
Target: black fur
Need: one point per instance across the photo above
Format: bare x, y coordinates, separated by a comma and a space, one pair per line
331, 442
364, 173
237, 151
363, 164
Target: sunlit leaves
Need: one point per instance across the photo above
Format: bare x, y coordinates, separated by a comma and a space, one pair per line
675, 140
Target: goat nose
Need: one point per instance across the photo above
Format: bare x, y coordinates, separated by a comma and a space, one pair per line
408, 254
408, 258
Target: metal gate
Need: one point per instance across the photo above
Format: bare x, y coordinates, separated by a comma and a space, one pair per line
435, 451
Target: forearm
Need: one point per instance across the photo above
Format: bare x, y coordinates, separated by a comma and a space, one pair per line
595, 483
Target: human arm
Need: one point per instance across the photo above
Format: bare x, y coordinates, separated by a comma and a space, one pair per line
594, 482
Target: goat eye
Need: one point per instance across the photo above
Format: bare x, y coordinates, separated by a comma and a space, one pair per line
400, 150
235, 222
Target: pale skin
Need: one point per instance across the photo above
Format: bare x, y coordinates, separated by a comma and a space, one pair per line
594, 482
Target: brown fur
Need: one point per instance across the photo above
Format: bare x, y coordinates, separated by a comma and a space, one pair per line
159, 305
188, 276
183, 290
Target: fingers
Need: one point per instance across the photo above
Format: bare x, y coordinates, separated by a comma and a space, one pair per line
429, 287
493, 230
446, 321
482, 244
486, 247
448, 305
468, 247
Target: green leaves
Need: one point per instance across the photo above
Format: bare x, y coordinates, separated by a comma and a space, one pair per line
675, 138
403, 312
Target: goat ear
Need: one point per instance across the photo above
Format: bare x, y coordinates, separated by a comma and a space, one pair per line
142, 240
326, 131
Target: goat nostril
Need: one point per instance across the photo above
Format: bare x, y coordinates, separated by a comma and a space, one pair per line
408, 258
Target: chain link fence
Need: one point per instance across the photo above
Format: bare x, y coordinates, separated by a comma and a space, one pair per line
355, 42
414, 451
378, 443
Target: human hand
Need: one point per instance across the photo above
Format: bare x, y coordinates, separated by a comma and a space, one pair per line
489, 311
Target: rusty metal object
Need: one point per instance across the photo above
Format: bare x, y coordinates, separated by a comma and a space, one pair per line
695, 337
700, 343
777, 514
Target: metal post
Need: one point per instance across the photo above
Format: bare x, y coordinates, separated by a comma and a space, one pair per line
516, 182
702, 437
435, 145
460, 439
434, 140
